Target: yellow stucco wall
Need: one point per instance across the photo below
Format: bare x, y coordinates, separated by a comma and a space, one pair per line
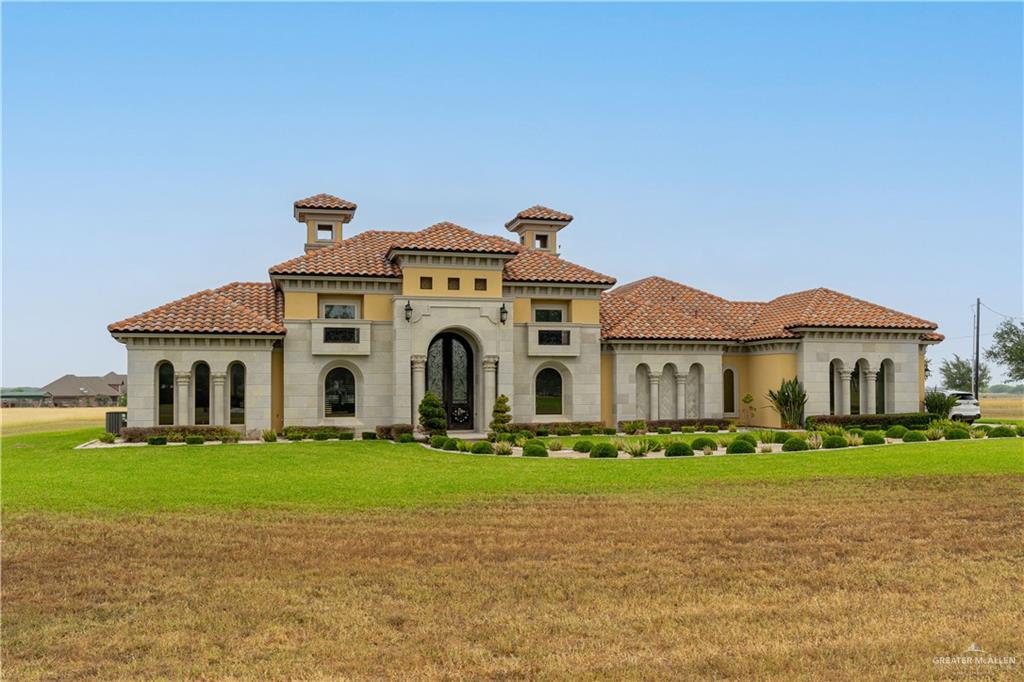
411, 282
522, 310
757, 375
277, 389
300, 305
608, 389
584, 311
378, 307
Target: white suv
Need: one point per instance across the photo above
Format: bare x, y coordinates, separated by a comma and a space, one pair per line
967, 407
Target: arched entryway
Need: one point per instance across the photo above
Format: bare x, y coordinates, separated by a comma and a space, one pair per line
450, 377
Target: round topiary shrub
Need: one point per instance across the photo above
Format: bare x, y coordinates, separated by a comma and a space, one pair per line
747, 436
914, 437
957, 434
535, 441
438, 442
583, 446
795, 445
874, 438
740, 446
1002, 432
702, 442
833, 442
856, 430
781, 437
506, 437
482, 448
450, 444
896, 431
604, 451
535, 451
678, 449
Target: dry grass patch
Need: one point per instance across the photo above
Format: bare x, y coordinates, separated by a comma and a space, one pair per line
1003, 407
18, 420
822, 579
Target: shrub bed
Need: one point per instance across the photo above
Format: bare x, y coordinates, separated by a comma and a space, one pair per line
873, 422
301, 432
604, 451
678, 449
740, 446
795, 445
141, 434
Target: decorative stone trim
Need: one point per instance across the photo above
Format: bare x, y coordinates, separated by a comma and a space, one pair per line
554, 290
664, 346
444, 259
339, 285
198, 342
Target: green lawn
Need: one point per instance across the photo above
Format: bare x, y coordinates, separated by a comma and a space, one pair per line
42, 472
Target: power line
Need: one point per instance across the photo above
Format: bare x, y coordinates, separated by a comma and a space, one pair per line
1009, 317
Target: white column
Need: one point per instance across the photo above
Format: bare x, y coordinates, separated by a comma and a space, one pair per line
843, 396
217, 381
654, 403
181, 385
419, 383
680, 395
867, 389
490, 363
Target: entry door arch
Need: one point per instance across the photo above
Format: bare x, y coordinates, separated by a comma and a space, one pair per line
450, 377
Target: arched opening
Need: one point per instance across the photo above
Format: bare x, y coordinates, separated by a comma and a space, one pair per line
729, 391
236, 391
885, 388
668, 392
165, 394
695, 392
450, 377
858, 398
548, 391
340, 393
643, 392
835, 405
201, 393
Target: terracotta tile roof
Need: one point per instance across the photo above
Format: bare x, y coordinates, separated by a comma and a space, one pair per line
932, 336
451, 237
539, 212
657, 308
236, 308
366, 255
326, 201
361, 255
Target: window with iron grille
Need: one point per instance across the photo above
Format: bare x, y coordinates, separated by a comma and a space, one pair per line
341, 335
553, 337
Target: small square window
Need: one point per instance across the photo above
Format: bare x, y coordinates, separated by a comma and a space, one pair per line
480, 284
453, 284
542, 241
324, 233
426, 282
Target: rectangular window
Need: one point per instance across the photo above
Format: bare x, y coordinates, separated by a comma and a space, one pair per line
541, 241
553, 337
340, 311
324, 233
480, 284
453, 284
548, 315
426, 282
341, 335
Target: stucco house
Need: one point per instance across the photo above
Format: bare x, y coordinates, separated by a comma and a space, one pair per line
356, 330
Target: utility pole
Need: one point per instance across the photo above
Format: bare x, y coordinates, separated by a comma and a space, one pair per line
977, 350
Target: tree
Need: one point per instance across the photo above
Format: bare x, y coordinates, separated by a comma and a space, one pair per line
500, 415
1008, 348
957, 374
433, 419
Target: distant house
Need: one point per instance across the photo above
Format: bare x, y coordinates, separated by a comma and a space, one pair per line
76, 391
23, 396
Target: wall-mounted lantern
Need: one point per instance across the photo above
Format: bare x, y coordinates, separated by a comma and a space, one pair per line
503, 313
408, 311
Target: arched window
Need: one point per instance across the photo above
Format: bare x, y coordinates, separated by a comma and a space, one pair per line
728, 391
165, 393
549, 391
340, 393
236, 375
201, 400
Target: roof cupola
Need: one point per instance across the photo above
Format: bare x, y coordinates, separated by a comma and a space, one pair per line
538, 227
324, 215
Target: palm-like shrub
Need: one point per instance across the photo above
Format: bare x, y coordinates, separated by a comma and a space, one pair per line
934, 434
789, 401
939, 404
554, 445
503, 448
433, 419
814, 440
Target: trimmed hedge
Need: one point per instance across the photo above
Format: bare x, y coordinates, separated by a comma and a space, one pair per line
369, 435
833, 442
301, 432
392, 431
897, 431
678, 449
604, 451
609, 430
1002, 432
704, 442
914, 437
740, 446
680, 424
193, 440
873, 422
482, 448
535, 451
553, 427
795, 445
583, 446
157, 440
874, 438
142, 434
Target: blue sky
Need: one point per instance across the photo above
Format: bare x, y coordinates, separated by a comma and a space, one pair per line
150, 151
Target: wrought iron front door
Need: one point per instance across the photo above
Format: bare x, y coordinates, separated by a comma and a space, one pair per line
450, 376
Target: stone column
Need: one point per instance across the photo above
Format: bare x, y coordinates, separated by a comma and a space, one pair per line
680, 395
217, 382
654, 403
181, 385
419, 383
867, 389
843, 395
490, 363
